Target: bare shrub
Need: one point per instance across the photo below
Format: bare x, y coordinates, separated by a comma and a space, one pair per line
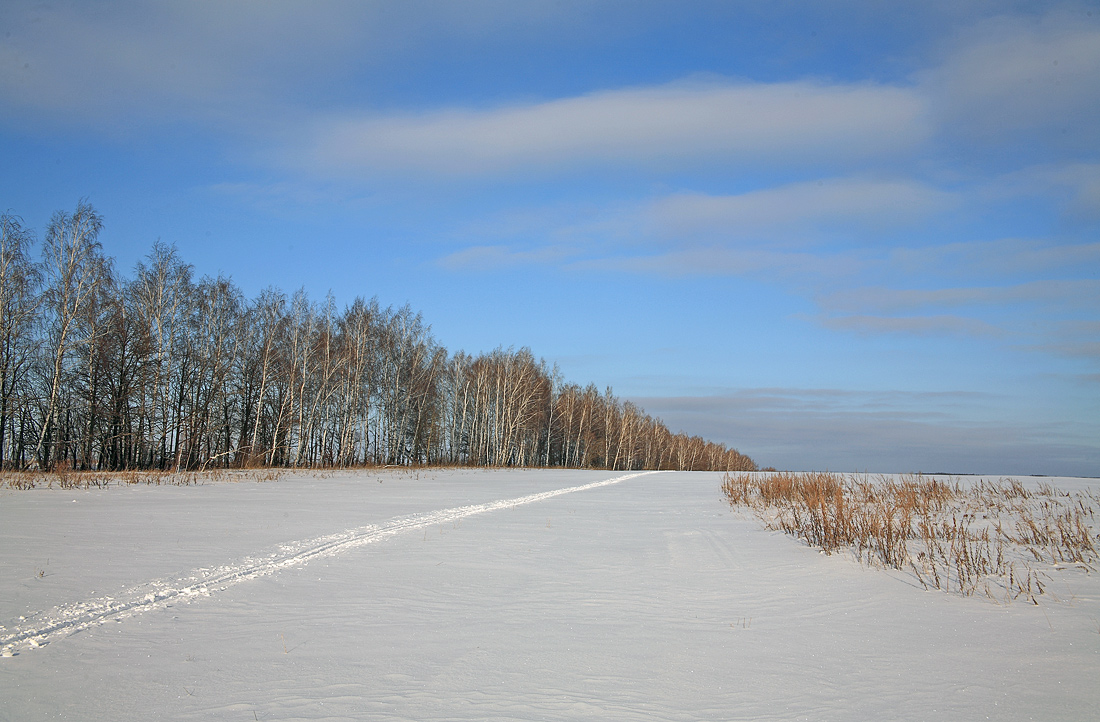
992, 537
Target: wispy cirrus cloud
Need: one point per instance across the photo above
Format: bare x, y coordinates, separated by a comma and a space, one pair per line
114, 67
288, 71
996, 258
790, 122
1062, 294
821, 239
1024, 83
1073, 186
697, 232
856, 431
1073, 338
981, 311
815, 208
781, 265
937, 325
1013, 77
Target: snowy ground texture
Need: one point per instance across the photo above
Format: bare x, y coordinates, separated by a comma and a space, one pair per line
483, 595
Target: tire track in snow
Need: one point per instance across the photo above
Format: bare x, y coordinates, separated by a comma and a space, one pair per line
68, 619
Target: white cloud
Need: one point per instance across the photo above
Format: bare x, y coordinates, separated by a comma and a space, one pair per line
939, 325
718, 261
1012, 309
1071, 295
686, 233
781, 122
833, 204
1076, 338
1072, 186
883, 431
1003, 256
1013, 76
1077, 184
696, 234
113, 65
273, 68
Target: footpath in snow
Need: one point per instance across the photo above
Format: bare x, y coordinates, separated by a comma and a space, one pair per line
496, 595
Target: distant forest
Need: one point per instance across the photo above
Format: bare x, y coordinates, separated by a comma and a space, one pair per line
163, 371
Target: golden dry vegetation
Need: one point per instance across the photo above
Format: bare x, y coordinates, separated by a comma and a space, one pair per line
1001, 538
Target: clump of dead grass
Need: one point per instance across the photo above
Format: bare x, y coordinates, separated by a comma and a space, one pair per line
997, 538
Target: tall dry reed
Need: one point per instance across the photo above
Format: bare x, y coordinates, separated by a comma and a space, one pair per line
999, 538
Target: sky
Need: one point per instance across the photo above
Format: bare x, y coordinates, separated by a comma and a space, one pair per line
852, 235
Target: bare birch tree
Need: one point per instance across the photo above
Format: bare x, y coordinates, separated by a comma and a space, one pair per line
73, 267
19, 301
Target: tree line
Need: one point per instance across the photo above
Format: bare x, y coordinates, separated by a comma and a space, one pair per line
161, 370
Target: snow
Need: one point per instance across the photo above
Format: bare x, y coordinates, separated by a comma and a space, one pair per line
470, 594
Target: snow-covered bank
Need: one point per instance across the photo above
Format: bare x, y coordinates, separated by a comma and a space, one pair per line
643, 599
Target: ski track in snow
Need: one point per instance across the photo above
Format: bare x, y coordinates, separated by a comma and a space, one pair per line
68, 619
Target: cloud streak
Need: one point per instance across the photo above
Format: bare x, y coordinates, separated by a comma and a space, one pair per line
812, 208
776, 123
855, 431
720, 261
1066, 294
131, 63
997, 258
939, 325
1014, 77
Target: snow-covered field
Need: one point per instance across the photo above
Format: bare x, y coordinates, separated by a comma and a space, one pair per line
447, 595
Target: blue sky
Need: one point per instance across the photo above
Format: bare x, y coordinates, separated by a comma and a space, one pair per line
839, 235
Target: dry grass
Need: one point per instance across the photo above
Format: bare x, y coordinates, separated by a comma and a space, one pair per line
68, 479
998, 538
64, 477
